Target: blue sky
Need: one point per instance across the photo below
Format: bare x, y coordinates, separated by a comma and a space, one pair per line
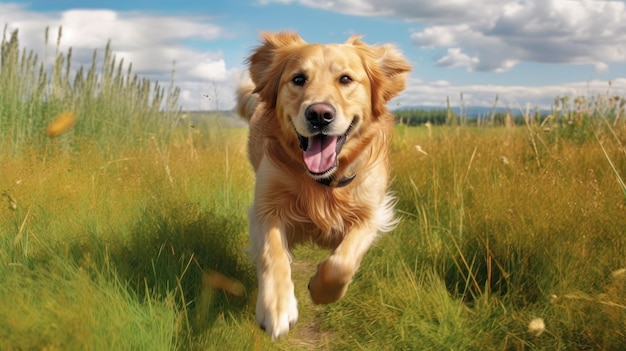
526, 52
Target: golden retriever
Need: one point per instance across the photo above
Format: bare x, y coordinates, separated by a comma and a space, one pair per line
319, 141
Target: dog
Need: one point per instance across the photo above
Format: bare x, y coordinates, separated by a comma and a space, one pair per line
319, 138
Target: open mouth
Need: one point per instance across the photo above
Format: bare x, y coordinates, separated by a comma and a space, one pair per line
320, 153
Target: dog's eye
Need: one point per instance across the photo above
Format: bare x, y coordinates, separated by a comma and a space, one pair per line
345, 79
299, 79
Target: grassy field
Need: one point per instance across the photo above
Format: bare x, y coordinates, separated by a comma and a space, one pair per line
111, 231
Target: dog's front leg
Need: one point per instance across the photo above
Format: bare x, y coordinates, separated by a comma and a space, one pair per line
276, 307
335, 274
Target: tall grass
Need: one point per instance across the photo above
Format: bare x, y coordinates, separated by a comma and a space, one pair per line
100, 253
492, 239
114, 106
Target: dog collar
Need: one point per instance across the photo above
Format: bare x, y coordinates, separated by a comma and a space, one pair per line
340, 183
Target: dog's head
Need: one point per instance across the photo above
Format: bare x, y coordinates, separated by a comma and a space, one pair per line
325, 95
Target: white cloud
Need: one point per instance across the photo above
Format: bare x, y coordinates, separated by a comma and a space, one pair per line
498, 34
600, 67
419, 92
89, 28
154, 44
352, 7
439, 35
456, 57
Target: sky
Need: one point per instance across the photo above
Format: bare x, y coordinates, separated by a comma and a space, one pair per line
524, 52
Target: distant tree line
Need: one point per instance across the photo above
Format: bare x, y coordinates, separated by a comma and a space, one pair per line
419, 117
416, 117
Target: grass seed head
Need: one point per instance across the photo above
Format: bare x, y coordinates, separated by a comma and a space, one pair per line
216, 280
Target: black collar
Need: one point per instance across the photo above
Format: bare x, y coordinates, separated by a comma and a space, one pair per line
330, 181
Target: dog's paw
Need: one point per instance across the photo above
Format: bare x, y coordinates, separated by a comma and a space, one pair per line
276, 309
330, 283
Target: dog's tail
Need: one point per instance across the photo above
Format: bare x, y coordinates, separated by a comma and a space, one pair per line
247, 100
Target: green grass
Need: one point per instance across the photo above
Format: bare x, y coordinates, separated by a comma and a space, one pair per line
108, 232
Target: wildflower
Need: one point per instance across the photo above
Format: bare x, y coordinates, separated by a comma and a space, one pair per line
61, 124
536, 327
11, 200
618, 274
418, 148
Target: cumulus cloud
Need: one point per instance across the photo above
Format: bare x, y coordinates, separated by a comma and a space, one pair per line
126, 30
457, 58
351, 7
601, 67
495, 35
515, 97
154, 44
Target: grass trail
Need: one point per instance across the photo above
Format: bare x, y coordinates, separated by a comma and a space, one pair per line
308, 335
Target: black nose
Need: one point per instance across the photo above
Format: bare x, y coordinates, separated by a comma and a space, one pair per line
320, 114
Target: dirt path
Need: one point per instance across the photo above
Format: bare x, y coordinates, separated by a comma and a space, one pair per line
307, 334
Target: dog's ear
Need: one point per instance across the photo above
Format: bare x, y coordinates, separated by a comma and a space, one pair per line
264, 68
387, 70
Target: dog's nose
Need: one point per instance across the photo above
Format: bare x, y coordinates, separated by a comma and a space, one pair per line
320, 114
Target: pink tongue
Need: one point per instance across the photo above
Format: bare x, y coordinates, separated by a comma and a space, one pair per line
321, 154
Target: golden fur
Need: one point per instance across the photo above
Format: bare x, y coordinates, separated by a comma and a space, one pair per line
296, 200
